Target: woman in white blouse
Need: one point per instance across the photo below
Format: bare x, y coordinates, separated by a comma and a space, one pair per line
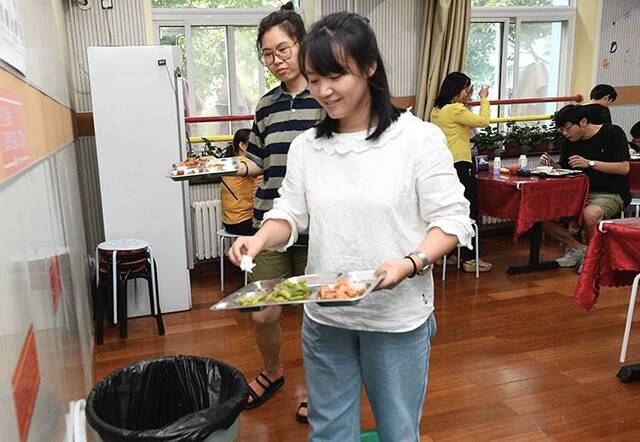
376, 189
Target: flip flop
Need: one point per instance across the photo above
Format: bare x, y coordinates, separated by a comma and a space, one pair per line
301, 417
268, 390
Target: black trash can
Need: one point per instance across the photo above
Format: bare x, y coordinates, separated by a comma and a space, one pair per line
176, 398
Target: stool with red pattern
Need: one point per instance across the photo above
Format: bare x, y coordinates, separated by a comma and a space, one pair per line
118, 262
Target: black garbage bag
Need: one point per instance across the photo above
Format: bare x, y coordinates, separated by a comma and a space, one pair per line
176, 398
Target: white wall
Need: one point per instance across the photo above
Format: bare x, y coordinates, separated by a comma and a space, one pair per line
124, 25
619, 27
40, 221
47, 59
397, 24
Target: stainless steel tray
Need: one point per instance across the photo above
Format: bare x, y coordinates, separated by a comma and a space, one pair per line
217, 167
557, 172
358, 279
364, 279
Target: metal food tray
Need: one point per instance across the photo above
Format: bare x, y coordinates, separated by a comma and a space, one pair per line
230, 167
358, 279
556, 172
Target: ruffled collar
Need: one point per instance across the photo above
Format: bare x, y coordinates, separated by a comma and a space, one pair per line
342, 143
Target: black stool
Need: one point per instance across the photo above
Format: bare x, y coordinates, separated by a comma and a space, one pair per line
118, 262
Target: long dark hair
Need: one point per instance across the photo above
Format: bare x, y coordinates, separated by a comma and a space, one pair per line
287, 20
326, 48
453, 84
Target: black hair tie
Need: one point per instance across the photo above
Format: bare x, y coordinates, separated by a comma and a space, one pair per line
413, 263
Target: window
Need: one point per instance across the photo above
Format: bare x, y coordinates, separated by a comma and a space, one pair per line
220, 61
216, 3
515, 47
498, 3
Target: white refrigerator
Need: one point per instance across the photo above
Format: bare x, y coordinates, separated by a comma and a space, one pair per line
139, 125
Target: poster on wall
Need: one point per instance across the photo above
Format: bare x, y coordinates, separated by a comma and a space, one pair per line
11, 35
13, 144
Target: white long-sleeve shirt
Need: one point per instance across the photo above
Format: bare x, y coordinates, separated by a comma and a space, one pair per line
365, 202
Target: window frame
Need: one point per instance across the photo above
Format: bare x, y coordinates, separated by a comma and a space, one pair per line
507, 15
229, 18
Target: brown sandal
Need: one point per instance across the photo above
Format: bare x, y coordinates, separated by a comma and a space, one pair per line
268, 390
470, 266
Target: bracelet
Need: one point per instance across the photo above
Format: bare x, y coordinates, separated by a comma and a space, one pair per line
415, 267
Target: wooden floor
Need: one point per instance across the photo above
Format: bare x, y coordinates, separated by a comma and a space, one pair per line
514, 357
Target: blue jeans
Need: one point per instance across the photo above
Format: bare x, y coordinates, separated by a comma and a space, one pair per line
393, 367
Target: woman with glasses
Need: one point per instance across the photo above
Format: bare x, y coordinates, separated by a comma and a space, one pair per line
281, 114
452, 116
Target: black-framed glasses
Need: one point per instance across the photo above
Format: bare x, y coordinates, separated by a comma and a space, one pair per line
283, 52
565, 128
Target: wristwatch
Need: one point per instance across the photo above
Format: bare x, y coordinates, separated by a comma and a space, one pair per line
592, 163
426, 264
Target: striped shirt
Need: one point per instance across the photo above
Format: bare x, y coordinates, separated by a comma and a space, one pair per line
280, 118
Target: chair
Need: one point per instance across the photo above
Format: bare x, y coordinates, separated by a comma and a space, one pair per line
635, 202
477, 247
627, 327
223, 235
117, 262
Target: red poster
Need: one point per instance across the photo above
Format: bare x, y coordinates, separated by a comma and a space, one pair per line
13, 142
55, 282
25, 383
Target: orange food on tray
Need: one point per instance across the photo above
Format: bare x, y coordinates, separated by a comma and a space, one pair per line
340, 290
189, 162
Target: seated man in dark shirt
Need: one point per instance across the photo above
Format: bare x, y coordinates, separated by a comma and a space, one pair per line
601, 152
635, 137
602, 96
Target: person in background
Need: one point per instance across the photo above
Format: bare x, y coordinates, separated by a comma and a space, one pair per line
281, 114
635, 137
376, 189
601, 151
456, 121
602, 96
236, 192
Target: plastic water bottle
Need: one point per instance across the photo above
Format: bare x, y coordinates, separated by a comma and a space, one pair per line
523, 161
497, 164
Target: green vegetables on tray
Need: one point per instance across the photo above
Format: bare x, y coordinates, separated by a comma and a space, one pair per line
283, 292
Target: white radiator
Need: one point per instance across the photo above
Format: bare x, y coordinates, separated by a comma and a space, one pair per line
207, 220
204, 192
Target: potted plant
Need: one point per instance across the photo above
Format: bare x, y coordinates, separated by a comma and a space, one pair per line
542, 140
488, 141
518, 139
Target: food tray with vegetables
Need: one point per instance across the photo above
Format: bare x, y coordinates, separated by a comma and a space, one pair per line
192, 168
332, 289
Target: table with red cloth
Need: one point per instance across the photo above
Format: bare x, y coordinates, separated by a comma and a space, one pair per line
612, 259
634, 177
530, 201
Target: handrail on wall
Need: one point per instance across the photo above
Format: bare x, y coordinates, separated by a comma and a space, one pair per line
520, 118
212, 139
577, 98
218, 118
225, 118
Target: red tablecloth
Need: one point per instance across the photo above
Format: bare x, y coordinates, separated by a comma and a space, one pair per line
634, 177
534, 201
612, 259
